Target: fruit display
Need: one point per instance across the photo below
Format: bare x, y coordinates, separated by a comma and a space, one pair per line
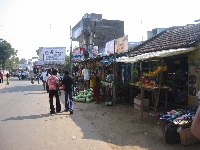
84, 96
155, 73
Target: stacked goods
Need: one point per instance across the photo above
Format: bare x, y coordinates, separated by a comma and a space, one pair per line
187, 138
174, 123
84, 96
138, 103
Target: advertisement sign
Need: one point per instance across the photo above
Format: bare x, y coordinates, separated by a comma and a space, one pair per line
95, 51
54, 55
121, 44
102, 52
38, 64
77, 57
192, 84
109, 49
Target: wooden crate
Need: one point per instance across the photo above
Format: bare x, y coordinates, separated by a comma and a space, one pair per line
138, 101
138, 107
187, 138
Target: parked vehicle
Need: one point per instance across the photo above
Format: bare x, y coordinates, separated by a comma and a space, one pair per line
14, 72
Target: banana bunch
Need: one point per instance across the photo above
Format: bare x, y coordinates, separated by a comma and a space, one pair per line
139, 83
155, 73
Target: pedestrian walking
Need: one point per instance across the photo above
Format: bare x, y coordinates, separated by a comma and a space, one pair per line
53, 84
7, 78
38, 78
1, 77
67, 83
43, 76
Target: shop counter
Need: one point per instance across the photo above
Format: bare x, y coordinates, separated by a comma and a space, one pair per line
155, 92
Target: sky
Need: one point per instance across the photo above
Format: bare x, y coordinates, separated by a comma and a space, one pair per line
30, 24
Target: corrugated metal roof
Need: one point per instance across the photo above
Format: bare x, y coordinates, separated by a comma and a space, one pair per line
157, 54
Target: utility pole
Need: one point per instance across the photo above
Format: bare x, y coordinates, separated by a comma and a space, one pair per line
141, 30
71, 50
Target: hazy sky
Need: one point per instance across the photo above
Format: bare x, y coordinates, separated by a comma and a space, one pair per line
26, 23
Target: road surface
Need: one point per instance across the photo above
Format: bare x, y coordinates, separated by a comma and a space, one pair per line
26, 124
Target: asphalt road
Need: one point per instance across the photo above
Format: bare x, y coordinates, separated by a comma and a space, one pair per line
26, 124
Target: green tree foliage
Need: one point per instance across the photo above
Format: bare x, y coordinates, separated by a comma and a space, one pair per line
67, 63
6, 52
23, 61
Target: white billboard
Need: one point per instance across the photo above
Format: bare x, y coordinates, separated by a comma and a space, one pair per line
54, 55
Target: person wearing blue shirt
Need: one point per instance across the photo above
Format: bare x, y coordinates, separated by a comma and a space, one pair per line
38, 78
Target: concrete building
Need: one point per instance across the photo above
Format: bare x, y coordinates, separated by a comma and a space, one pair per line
92, 31
156, 31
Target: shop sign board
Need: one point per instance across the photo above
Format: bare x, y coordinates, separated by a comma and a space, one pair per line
121, 44
54, 55
77, 57
109, 49
192, 84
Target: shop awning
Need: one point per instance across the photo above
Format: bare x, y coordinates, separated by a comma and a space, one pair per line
157, 54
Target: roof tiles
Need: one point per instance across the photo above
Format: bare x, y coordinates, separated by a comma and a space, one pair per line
182, 37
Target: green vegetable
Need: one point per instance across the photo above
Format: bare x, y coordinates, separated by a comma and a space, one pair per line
82, 100
88, 100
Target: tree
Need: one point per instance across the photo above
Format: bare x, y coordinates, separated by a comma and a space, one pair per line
23, 61
6, 51
67, 63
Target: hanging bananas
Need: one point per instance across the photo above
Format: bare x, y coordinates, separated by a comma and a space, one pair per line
155, 73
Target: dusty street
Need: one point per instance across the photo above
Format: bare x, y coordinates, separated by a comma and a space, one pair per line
26, 124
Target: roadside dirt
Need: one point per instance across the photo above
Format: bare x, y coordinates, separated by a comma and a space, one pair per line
122, 128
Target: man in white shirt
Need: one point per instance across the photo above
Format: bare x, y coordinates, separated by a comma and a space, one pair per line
86, 76
44, 78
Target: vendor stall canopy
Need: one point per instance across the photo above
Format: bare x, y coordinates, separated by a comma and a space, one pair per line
157, 54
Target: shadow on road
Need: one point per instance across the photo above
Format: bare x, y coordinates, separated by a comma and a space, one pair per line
20, 88
27, 117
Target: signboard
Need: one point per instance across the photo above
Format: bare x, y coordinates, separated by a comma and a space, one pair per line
77, 57
109, 49
121, 44
192, 84
95, 51
39, 63
54, 55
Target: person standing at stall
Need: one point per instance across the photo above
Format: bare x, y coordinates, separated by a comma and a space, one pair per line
86, 76
96, 87
53, 83
181, 95
68, 83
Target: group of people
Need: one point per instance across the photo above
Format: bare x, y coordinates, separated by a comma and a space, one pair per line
7, 77
22, 75
91, 80
52, 84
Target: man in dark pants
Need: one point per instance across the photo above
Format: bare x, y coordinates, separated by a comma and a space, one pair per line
68, 82
1, 77
54, 91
